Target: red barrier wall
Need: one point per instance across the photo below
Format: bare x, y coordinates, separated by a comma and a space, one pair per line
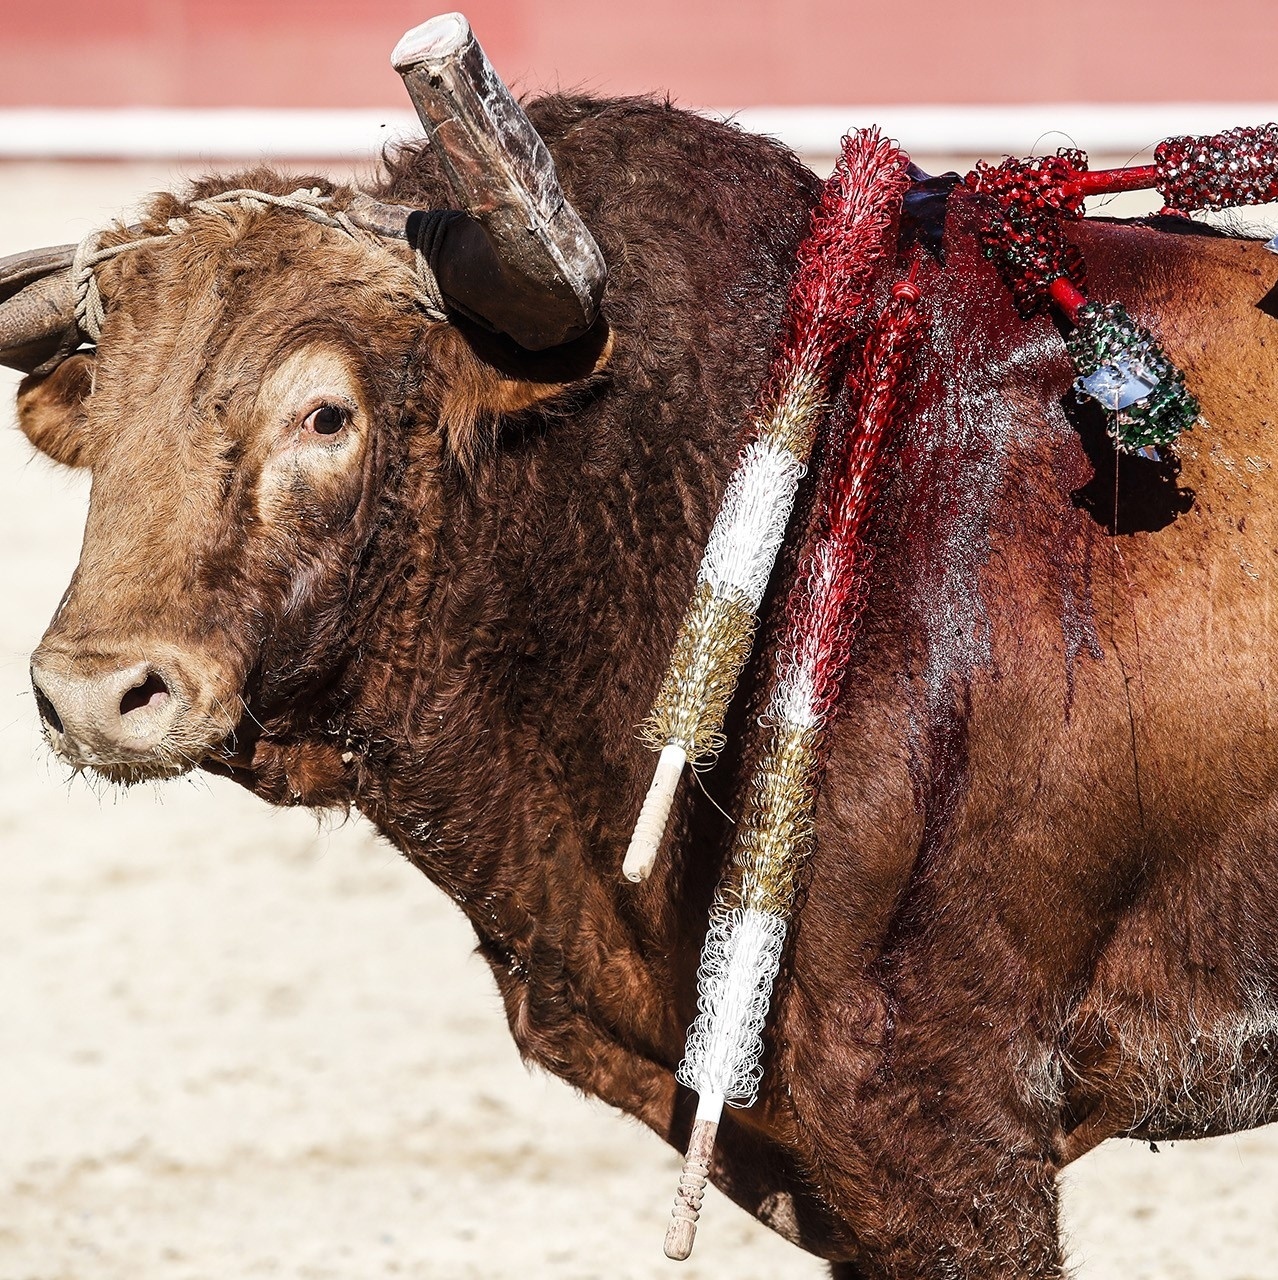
331, 53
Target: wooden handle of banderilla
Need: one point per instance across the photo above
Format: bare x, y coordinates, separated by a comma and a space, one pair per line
682, 1231
650, 827
503, 175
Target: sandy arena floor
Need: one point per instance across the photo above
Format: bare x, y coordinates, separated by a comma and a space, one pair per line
235, 1043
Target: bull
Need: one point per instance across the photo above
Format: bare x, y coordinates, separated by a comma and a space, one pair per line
354, 552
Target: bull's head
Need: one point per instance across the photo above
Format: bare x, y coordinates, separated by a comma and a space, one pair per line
260, 382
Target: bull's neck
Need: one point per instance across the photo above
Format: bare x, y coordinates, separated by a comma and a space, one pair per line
496, 699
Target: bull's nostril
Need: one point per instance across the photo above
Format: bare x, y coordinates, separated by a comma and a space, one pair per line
48, 712
152, 692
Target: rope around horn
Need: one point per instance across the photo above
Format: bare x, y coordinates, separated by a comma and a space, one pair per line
90, 312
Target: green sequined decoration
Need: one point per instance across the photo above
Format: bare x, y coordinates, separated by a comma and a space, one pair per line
1107, 336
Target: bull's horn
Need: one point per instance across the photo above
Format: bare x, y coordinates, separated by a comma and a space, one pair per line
471, 274
535, 273
37, 306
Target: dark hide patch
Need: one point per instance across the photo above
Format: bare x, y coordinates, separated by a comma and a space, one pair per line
1128, 493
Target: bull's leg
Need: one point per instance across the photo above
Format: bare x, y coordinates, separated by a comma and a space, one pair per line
938, 1165
999, 1224
987, 1230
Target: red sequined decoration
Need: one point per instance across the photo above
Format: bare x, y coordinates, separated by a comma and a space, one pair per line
1026, 239
1032, 185
1239, 166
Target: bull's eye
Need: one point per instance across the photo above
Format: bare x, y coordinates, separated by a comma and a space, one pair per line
326, 420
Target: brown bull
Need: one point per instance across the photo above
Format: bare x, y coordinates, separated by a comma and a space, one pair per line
353, 557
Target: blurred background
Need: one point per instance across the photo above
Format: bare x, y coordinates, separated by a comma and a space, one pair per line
237, 1042
221, 78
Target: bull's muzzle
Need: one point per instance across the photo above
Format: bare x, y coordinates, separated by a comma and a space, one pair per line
113, 716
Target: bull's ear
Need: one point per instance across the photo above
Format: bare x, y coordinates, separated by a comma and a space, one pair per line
484, 377
51, 410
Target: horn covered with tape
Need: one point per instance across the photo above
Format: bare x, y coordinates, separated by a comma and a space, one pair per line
522, 261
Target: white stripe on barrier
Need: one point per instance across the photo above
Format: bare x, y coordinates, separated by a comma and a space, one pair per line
231, 132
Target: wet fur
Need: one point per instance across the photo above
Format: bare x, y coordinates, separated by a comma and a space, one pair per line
1041, 908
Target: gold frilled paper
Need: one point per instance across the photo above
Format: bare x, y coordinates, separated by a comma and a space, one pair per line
712, 647
776, 835
797, 415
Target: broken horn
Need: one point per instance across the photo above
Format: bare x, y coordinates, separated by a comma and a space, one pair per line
37, 306
520, 260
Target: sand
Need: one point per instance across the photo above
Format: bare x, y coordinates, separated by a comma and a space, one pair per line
236, 1042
